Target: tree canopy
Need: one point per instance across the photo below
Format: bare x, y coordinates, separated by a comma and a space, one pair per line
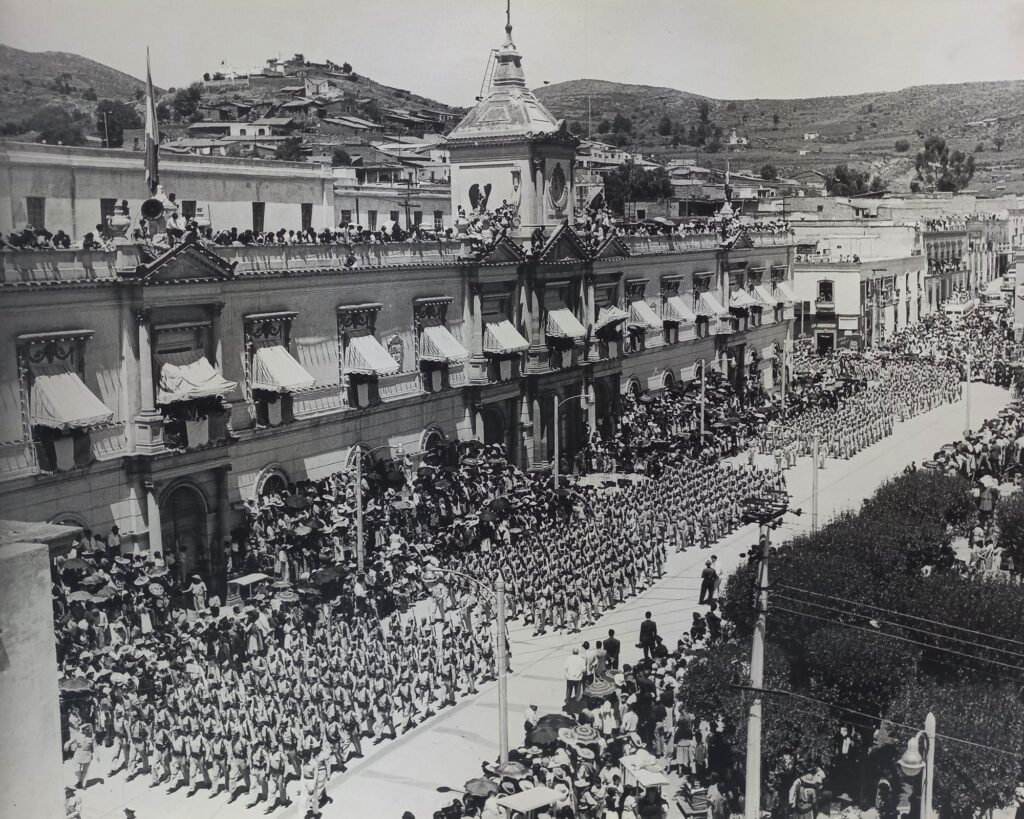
118, 116
55, 125
941, 169
630, 183
290, 149
847, 181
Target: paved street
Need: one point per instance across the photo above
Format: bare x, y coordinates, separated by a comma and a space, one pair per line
404, 774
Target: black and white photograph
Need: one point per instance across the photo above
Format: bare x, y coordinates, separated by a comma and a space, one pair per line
512, 409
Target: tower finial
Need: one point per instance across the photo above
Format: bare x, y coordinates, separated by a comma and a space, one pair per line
508, 20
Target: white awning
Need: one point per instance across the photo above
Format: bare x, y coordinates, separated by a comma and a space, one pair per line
274, 369
677, 310
708, 305
367, 356
502, 338
189, 375
741, 300
642, 316
563, 324
609, 316
438, 344
765, 298
768, 353
60, 400
783, 294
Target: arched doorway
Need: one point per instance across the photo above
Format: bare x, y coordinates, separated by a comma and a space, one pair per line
272, 481
431, 438
668, 379
494, 427
183, 529
604, 412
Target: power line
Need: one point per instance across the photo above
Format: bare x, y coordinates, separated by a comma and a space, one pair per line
877, 718
901, 625
902, 614
897, 637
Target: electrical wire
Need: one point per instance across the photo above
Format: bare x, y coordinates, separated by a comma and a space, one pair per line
900, 625
901, 614
897, 637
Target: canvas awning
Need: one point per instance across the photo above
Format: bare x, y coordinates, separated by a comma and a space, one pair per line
187, 376
438, 344
677, 310
763, 297
741, 300
367, 356
609, 316
708, 306
274, 369
502, 338
642, 316
783, 294
60, 400
563, 324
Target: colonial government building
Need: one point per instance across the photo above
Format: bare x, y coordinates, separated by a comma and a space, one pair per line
159, 394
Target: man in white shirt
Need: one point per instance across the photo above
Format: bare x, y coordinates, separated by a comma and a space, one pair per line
575, 667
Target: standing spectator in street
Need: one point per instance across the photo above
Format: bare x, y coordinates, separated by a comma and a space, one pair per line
575, 667
612, 646
648, 635
82, 746
707, 583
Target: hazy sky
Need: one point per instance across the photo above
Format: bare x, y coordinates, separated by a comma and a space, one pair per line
740, 49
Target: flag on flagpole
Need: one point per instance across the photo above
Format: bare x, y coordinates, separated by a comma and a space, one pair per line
152, 134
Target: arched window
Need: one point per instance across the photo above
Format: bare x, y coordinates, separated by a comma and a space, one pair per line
272, 480
183, 528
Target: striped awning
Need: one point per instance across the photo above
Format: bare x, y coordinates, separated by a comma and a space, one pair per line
187, 376
59, 399
741, 300
609, 316
439, 345
764, 297
642, 316
502, 338
708, 306
275, 370
678, 311
562, 323
783, 294
367, 356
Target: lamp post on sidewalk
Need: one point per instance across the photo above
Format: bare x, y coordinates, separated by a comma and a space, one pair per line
500, 651
584, 399
967, 396
360, 546
919, 758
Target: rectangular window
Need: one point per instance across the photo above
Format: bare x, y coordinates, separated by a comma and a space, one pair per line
641, 213
346, 217
35, 211
393, 216
106, 210
259, 210
417, 217
371, 220
307, 215
438, 220
188, 208
825, 291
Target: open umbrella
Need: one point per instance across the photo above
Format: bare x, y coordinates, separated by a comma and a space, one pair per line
94, 579
79, 597
75, 564
402, 505
585, 733
481, 787
322, 577
288, 596
107, 593
543, 735
280, 584
70, 685
600, 688
557, 721
296, 502
513, 770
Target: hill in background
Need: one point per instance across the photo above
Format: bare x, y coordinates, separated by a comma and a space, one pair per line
860, 129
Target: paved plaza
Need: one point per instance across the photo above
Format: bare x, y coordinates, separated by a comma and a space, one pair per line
404, 774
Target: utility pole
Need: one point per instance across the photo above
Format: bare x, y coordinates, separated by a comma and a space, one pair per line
816, 444
703, 387
501, 658
106, 131
752, 793
360, 549
554, 411
967, 398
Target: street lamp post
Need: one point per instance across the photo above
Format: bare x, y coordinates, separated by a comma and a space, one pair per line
500, 651
967, 397
360, 547
703, 389
919, 758
583, 398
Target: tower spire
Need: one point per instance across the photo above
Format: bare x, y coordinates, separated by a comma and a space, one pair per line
508, 22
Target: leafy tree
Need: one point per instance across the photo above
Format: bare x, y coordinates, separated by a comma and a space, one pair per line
218, 76
576, 127
622, 124
902, 146
630, 183
847, 181
604, 126
372, 110
138, 94
714, 146
1010, 519
915, 186
290, 150
340, 157
665, 126
62, 83
979, 148
769, 172
998, 142
704, 111
55, 125
206, 76
119, 116
89, 94
944, 170
346, 68
185, 102
775, 122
